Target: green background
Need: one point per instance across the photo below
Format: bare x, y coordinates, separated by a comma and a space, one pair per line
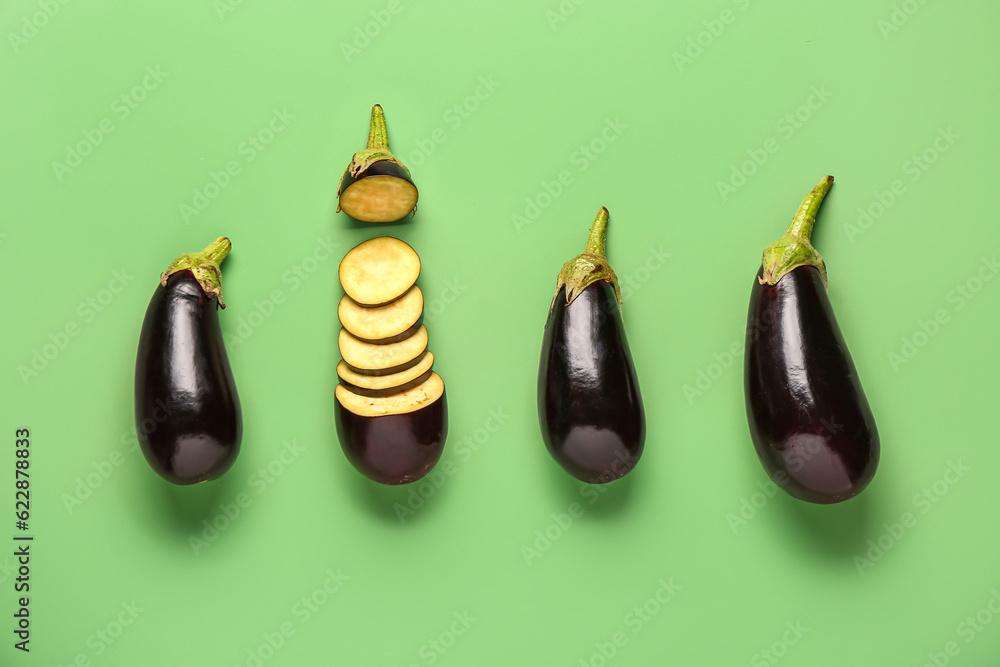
892, 79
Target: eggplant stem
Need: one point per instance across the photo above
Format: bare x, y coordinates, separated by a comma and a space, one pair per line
805, 217
378, 134
590, 266
598, 234
204, 266
217, 250
795, 249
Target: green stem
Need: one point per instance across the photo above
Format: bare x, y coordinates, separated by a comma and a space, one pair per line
204, 266
217, 250
795, 249
598, 233
805, 217
590, 266
377, 150
378, 135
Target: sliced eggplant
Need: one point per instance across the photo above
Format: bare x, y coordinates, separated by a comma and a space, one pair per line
589, 407
376, 382
372, 359
187, 412
809, 419
396, 439
377, 187
388, 391
390, 323
388, 371
379, 271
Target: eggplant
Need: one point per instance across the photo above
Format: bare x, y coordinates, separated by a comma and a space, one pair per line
589, 406
377, 187
379, 271
809, 419
187, 411
395, 439
391, 323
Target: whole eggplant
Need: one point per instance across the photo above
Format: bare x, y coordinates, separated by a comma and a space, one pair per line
809, 419
187, 411
589, 407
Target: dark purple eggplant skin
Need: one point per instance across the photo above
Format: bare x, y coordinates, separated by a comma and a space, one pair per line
589, 406
379, 168
809, 418
394, 449
187, 411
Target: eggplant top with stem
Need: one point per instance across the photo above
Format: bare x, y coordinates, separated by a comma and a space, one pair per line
377, 187
589, 407
809, 419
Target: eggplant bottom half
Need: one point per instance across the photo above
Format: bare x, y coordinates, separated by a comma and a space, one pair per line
589, 407
394, 448
809, 418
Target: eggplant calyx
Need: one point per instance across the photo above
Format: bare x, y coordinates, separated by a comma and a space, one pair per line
204, 266
376, 150
588, 267
794, 249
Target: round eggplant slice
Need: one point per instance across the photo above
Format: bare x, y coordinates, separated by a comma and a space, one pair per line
589, 406
388, 391
384, 324
379, 271
384, 192
187, 412
377, 382
371, 358
376, 186
396, 439
388, 371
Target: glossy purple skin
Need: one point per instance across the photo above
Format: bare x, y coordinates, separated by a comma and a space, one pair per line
809, 418
187, 412
394, 449
589, 407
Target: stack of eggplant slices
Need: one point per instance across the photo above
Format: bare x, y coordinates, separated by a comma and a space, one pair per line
392, 417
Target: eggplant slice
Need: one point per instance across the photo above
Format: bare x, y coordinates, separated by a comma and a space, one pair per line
371, 358
377, 382
388, 391
379, 271
390, 323
396, 439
